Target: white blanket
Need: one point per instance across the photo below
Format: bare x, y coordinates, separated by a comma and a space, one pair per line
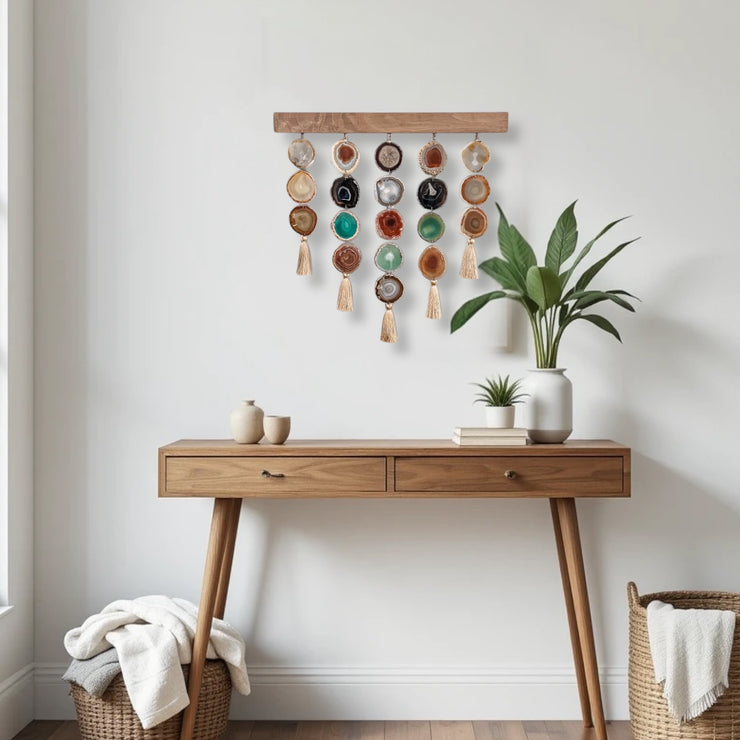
691, 653
153, 635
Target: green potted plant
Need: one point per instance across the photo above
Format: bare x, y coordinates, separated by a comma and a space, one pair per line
554, 296
500, 396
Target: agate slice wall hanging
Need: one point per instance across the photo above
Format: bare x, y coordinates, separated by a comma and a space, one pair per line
302, 188
475, 191
432, 194
389, 226
345, 193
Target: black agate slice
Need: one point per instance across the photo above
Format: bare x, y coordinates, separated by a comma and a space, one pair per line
345, 192
432, 193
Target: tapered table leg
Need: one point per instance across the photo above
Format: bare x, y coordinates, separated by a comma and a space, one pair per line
573, 555
572, 624
218, 567
228, 558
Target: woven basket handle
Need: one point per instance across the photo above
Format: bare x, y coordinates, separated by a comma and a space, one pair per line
632, 596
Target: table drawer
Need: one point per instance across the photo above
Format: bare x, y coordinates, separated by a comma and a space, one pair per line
519, 475
276, 476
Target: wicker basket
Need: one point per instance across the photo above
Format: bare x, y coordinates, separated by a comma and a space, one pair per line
649, 713
111, 716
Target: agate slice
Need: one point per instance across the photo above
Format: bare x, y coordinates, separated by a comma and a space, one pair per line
303, 220
475, 190
475, 156
388, 288
345, 226
346, 258
432, 263
431, 227
301, 187
301, 153
432, 193
432, 158
388, 156
388, 258
345, 192
389, 224
345, 155
388, 191
474, 223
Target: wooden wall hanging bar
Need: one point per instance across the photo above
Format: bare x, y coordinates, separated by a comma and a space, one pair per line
397, 123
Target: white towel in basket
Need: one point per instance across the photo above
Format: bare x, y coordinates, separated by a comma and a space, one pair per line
153, 635
691, 653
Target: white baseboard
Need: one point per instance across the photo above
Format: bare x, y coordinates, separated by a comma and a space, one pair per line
395, 693
16, 702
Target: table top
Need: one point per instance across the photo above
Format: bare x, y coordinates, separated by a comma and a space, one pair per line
390, 447
392, 468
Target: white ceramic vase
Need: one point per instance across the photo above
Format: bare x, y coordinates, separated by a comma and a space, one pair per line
500, 417
549, 408
246, 423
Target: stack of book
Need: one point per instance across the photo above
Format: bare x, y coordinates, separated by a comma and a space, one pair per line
489, 436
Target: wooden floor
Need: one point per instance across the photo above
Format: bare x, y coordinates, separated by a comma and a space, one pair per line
57, 730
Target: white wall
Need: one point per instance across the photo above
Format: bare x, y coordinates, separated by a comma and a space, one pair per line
166, 292
16, 350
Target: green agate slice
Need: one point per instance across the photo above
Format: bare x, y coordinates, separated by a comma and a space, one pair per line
431, 227
345, 226
388, 258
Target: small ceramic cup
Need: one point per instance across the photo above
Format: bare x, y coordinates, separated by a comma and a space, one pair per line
277, 429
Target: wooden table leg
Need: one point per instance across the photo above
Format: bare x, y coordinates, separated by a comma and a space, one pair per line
571, 540
228, 558
572, 624
220, 549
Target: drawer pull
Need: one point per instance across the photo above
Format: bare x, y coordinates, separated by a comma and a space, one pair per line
510, 474
268, 474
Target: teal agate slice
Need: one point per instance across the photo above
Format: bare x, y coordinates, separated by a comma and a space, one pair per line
388, 258
345, 225
431, 227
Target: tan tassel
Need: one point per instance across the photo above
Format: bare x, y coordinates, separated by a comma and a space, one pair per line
344, 301
434, 310
304, 258
388, 331
469, 268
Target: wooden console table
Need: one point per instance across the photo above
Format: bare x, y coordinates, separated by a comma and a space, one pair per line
229, 472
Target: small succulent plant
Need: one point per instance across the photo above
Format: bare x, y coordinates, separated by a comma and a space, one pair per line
500, 391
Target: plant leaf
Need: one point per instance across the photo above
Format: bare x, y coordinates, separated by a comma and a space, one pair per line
564, 279
585, 298
543, 286
514, 246
503, 273
601, 322
471, 307
563, 239
589, 274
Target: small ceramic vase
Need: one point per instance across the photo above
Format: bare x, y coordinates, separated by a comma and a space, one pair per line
277, 429
246, 423
500, 417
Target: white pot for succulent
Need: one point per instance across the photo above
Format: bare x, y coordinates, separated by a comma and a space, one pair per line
500, 417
